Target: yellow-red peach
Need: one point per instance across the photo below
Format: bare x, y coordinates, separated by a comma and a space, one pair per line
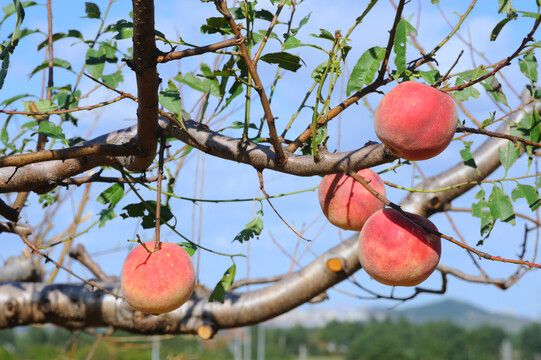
396, 251
416, 121
157, 282
346, 203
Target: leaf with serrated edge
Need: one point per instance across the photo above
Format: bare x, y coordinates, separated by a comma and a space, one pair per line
365, 69
529, 193
501, 206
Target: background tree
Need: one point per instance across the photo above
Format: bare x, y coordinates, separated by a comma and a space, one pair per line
242, 109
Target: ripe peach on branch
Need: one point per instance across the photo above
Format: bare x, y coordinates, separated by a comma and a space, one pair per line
346, 203
160, 281
416, 121
396, 251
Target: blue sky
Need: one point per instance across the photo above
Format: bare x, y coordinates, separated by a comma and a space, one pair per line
226, 180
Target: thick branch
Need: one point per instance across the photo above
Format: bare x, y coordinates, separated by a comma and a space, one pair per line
263, 157
78, 306
43, 176
144, 65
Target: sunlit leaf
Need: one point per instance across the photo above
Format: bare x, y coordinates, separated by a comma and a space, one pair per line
529, 193
365, 69
501, 206
225, 282
112, 195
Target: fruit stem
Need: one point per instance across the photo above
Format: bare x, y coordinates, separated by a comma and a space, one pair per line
163, 140
143, 244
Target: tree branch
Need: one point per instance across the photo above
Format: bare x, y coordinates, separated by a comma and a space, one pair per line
176, 55
78, 306
144, 65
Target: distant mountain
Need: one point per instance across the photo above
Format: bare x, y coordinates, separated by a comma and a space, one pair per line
462, 314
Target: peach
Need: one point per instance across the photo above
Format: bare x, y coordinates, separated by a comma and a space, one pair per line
416, 121
346, 203
160, 281
396, 251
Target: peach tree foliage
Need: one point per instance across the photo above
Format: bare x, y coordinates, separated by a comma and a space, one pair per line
223, 105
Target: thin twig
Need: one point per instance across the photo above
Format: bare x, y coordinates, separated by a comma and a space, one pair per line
262, 187
176, 55
280, 155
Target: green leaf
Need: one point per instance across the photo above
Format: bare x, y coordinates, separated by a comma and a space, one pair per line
92, 11
106, 215
234, 91
216, 25
400, 40
365, 69
48, 199
487, 224
324, 34
198, 84
42, 105
189, 247
252, 229
95, 62
225, 282
528, 66
499, 26
530, 14
264, 15
505, 6
10, 9
529, 193
303, 22
501, 206
466, 93
509, 155
114, 79
431, 76
292, 42
284, 60
170, 99
148, 218
494, 88
53, 131
112, 195
4, 69
56, 63
58, 36
477, 210
319, 70
18, 10
467, 156
123, 28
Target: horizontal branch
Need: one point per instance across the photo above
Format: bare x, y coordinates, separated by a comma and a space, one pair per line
78, 306
43, 176
176, 55
74, 152
263, 157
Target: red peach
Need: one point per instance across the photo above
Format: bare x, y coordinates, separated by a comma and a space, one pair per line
416, 121
160, 281
346, 203
396, 251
